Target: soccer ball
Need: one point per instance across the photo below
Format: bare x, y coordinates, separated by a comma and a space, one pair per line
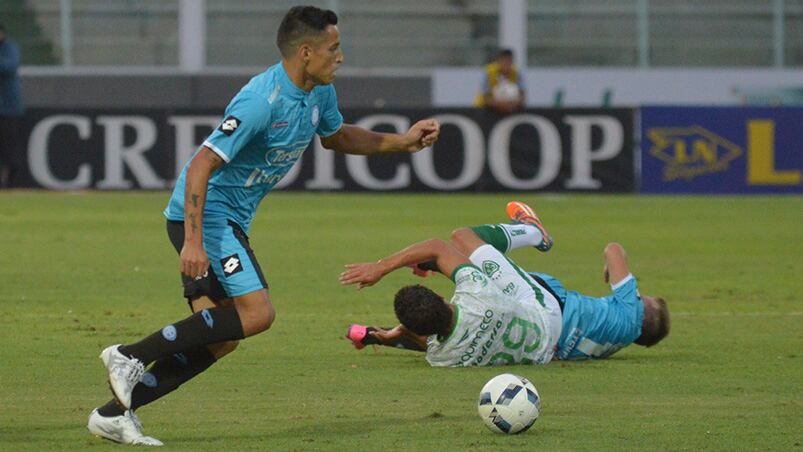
509, 404
506, 91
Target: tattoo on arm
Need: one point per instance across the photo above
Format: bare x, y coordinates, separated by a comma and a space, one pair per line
201, 168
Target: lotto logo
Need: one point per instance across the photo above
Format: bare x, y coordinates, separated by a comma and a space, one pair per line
231, 265
229, 125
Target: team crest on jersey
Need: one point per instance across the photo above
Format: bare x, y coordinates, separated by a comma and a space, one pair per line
231, 265
229, 125
491, 269
316, 115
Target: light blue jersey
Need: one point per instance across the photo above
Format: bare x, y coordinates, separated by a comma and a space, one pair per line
597, 327
266, 128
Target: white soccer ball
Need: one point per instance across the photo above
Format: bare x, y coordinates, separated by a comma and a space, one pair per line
509, 404
505, 90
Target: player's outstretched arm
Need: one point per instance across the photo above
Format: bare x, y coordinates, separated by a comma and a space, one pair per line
194, 261
351, 139
397, 335
444, 254
616, 268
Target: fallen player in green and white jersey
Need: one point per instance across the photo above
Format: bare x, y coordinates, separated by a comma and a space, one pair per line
501, 314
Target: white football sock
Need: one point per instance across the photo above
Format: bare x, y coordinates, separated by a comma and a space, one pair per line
521, 235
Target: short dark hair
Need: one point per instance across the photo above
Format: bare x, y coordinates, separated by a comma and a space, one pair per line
505, 53
656, 324
300, 23
422, 311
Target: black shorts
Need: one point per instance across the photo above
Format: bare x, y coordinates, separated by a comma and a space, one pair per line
209, 285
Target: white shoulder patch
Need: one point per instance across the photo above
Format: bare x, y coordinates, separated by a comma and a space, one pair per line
274, 94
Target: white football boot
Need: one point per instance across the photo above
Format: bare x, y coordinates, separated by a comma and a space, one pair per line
124, 373
124, 429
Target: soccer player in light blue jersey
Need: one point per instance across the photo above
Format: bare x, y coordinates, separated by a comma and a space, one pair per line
462, 332
265, 129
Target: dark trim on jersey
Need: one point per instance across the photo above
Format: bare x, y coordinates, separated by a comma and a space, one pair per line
548, 288
459, 267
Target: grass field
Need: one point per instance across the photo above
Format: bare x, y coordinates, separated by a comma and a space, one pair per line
82, 271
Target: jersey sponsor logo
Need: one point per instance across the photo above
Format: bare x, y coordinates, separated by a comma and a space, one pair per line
260, 177
231, 265
474, 276
462, 278
510, 289
595, 350
282, 157
465, 336
229, 125
478, 343
569, 344
279, 124
316, 115
491, 269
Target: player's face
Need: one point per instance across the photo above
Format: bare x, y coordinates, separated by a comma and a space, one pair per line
326, 57
506, 65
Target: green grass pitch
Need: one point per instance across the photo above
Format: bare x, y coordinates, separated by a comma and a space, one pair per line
82, 271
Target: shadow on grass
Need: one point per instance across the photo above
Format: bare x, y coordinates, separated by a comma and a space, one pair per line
323, 432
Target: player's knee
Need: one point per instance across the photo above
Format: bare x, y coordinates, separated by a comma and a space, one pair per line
269, 315
256, 312
262, 316
462, 237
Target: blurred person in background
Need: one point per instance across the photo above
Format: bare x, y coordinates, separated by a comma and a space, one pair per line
11, 110
502, 86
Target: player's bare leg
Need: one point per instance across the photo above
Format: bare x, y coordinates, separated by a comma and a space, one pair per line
256, 312
466, 240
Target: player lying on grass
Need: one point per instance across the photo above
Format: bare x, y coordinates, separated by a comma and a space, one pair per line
267, 127
501, 314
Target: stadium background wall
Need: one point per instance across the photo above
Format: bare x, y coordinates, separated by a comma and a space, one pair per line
541, 149
85, 88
